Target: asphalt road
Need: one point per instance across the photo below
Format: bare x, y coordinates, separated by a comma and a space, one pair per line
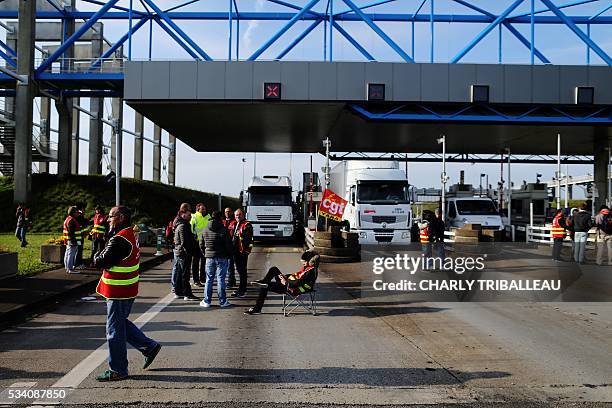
359, 350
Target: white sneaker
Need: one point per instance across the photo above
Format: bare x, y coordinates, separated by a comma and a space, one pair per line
73, 272
226, 304
204, 304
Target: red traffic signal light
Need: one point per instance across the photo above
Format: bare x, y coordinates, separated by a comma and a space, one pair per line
272, 91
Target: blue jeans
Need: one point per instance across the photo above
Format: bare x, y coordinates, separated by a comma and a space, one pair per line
70, 256
120, 331
180, 276
20, 233
219, 267
580, 239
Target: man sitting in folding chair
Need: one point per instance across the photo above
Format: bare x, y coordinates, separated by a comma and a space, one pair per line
296, 286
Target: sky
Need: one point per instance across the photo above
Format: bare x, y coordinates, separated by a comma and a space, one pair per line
223, 172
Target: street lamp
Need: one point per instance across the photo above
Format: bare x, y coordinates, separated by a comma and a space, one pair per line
443, 178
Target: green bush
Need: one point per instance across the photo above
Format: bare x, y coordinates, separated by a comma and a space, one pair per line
153, 204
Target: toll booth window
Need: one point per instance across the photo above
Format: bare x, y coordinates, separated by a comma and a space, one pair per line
476, 207
538, 207
375, 192
517, 206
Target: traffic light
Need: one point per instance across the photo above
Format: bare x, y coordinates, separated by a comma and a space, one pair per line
272, 91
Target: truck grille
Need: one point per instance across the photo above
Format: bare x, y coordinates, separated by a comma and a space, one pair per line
379, 219
268, 217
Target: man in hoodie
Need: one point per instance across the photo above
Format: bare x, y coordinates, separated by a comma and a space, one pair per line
184, 246
217, 248
582, 224
603, 222
227, 223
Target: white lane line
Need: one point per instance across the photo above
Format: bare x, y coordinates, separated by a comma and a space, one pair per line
6, 398
82, 370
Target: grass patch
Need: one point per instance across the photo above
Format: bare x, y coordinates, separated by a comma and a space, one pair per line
29, 258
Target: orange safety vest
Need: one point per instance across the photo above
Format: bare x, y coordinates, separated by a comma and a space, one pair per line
239, 232
99, 226
424, 234
121, 281
77, 232
298, 275
557, 230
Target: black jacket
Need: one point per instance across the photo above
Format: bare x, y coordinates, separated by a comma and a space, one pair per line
117, 249
216, 242
184, 240
582, 222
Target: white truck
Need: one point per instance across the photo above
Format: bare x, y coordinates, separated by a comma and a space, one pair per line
269, 207
464, 207
378, 206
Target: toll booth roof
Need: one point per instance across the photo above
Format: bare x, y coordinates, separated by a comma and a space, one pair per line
221, 106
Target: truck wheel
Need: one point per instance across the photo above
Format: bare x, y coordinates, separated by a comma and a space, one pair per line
341, 252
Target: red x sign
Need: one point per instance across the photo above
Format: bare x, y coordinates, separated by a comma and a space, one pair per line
272, 90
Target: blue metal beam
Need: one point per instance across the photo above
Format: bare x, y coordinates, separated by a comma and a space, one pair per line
602, 54
594, 16
510, 28
8, 49
176, 38
367, 6
118, 44
486, 31
177, 29
496, 118
70, 42
562, 6
378, 31
283, 30
185, 4
101, 3
295, 42
9, 60
354, 42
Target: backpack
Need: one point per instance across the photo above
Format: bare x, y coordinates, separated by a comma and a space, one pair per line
606, 224
170, 232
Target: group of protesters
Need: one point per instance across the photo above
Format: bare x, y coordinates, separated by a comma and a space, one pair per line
209, 247
75, 228
577, 226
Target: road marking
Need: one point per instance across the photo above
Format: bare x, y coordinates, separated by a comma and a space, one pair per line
82, 370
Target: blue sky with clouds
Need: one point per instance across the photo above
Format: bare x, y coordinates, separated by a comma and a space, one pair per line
222, 172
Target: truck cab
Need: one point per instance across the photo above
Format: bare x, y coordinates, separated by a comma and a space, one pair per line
269, 207
378, 206
473, 210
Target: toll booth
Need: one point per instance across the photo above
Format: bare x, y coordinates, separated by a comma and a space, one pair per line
528, 195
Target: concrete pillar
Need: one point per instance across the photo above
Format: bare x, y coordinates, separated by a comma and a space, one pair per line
138, 145
157, 154
117, 108
45, 131
600, 167
172, 161
24, 101
96, 127
96, 133
64, 142
76, 117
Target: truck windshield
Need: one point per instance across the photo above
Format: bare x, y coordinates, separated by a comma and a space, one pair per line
269, 197
395, 192
476, 207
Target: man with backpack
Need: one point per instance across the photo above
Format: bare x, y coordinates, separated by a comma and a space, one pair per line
603, 222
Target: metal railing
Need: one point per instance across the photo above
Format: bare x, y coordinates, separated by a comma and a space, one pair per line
542, 234
84, 65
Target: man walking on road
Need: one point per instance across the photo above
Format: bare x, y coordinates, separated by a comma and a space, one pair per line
22, 215
242, 240
184, 246
218, 250
120, 263
199, 221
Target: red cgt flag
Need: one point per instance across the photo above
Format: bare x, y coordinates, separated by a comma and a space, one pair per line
332, 205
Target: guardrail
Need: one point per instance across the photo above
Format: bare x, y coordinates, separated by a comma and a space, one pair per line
449, 237
542, 234
309, 237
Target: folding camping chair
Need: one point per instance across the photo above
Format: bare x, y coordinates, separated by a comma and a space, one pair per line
307, 300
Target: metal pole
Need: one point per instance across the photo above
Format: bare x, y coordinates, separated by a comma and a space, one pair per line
609, 176
443, 180
326, 144
118, 155
566, 186
487, 182
331, 31
558, 192
531, 213
243, 164
509, 192
254, 164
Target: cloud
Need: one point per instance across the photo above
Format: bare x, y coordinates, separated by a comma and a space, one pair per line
252, 26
